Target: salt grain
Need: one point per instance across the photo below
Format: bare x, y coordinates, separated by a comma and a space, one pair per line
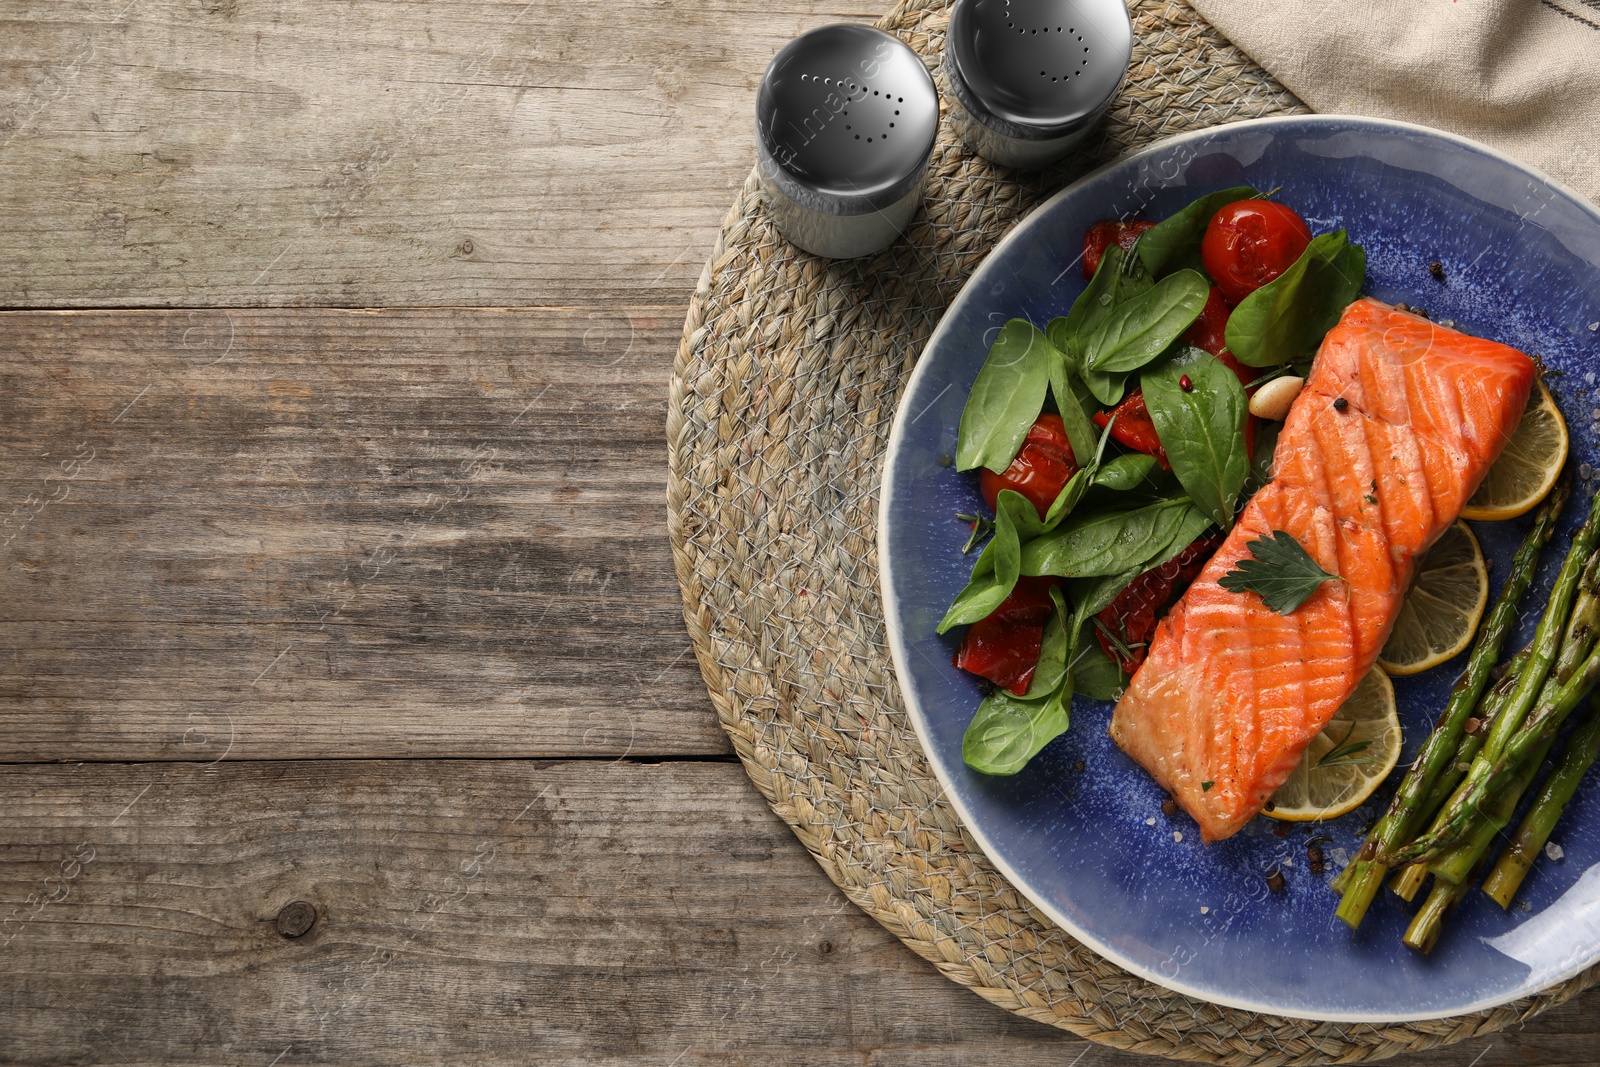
1177, 836
1151, 821
1554, 851
1204, 910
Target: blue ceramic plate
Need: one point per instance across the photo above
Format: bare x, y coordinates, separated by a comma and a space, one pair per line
1091, 847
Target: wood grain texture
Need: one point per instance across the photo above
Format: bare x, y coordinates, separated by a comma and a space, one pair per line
485, 912
306, 534
227, 153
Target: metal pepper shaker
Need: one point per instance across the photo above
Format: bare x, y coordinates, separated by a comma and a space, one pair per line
1031, 77
845, 122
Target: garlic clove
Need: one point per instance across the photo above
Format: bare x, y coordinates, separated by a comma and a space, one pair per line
1273, 400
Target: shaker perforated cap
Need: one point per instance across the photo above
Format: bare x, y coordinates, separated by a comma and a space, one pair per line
845, 119
1038, 69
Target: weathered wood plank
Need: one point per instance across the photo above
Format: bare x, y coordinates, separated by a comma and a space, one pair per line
226, 153
490, 911
291, 534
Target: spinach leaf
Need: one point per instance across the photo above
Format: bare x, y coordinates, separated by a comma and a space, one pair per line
1094, 595
1194, 523
1106, 386
1118, 279
1106, 542
994, 574
1077, 485
1141, 327
1073, 400
1201, 428
1125, 472
1286, 318
1095, 674
1069, 497
1008, 731
1175, 241
1052, 666
1006, 397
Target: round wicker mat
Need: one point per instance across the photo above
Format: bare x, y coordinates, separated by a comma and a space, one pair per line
785, 384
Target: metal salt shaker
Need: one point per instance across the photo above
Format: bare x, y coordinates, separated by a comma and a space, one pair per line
1031, 77
845, 122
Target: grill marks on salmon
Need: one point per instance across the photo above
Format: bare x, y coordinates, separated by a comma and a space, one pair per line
1232, 692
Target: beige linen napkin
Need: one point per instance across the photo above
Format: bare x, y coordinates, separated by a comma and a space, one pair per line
1521, 75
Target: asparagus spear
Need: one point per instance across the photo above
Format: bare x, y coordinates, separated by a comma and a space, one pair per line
1507, 733
1576, 644
1485, 781
1408, 880
1455, 864
1493, 703
1423, 933
1512, 867
1457, 869
1362, 878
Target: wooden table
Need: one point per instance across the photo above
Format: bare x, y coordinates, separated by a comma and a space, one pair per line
332, 391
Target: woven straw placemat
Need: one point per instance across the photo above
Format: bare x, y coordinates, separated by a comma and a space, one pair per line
785, 384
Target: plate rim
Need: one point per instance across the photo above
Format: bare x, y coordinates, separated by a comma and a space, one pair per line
900, 654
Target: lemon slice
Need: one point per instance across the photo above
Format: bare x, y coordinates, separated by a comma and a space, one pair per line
1348, 760
1529, 465
1443, 608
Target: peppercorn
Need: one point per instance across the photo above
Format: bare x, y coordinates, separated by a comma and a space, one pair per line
1437, 270
1314, 858
1169, 807
1275, 881
1340, 404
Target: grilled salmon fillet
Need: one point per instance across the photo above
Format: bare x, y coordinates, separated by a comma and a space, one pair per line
1398, 422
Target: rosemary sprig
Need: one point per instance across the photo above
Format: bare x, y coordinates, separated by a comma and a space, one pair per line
1343, 754
981, 529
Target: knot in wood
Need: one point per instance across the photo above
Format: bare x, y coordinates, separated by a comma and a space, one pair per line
296, 918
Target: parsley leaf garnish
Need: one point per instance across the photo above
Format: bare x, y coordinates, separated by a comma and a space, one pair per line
1280, 573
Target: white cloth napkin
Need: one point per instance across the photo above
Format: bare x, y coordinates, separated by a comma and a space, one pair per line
1520, 75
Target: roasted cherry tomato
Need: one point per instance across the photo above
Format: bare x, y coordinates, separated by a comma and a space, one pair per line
1210, 330
1126, 626
1004, 646
1041, 468
1133, 427
1249, 243
1102, 235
